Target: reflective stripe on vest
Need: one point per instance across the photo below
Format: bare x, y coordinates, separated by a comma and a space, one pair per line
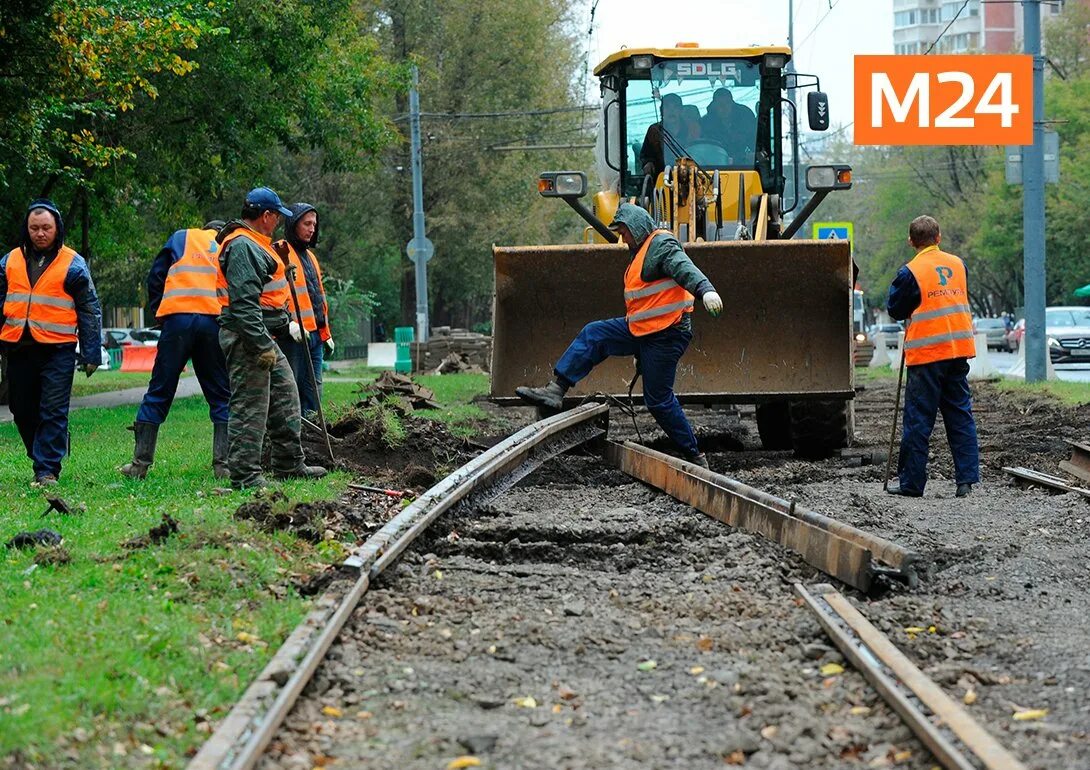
306, 303
652, 306
190, 285
942, 326
46, 308
274, 293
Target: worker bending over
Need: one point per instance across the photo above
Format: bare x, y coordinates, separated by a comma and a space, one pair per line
933, 290
182, 297
49, 303
659, 288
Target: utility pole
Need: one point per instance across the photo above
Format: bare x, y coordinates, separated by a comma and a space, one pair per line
419, 249
790, 183
1033, 205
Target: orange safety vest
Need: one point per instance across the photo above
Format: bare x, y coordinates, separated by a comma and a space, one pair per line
275, 294
190, 286
652, 307
46, 308
306, 304
942, 326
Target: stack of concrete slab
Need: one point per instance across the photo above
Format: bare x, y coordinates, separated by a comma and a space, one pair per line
475, 349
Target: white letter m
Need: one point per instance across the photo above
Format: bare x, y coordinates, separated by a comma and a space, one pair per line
882, 92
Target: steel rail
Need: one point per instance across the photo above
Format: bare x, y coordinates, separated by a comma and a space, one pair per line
891, 673
243, 735
838, 549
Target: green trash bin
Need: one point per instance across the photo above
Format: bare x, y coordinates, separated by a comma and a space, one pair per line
404, 336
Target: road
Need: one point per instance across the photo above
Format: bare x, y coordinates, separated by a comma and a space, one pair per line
1004, 362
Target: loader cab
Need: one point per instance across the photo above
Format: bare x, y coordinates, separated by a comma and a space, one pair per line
720, 108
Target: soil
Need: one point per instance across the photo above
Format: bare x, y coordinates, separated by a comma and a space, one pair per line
584, 620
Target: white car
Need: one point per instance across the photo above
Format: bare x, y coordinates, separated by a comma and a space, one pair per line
1068, 332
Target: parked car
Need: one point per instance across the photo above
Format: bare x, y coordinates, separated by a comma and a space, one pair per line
995, 330
1068, 333
890, 330
104, 362
1014, 336
117, 337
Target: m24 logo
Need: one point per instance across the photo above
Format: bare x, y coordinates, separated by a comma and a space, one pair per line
939, 100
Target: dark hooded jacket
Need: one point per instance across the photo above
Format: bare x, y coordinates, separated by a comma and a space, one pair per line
77, 283
665, 257
310, 272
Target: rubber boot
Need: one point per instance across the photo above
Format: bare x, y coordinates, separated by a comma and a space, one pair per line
700, 459
220, 445
551, 396
146, 435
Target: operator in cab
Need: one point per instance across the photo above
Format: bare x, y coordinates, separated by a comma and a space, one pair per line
661, 285
730, 124
673, 122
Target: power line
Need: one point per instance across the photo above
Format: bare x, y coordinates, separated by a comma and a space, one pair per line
956, 16
488, 115
832, 4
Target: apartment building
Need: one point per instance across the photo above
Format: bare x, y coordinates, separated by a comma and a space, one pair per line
981, 27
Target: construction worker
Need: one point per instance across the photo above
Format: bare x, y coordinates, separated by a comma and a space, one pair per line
182, 297
932, 290
305, 347
659, 288
49, 304
253, 289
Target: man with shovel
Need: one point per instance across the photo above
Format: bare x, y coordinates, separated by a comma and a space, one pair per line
932, 290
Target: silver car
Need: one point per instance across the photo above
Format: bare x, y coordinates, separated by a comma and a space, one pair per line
996, 331
1068, 331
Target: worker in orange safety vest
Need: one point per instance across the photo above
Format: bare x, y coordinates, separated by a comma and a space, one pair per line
182, 298
932, 290
49, 305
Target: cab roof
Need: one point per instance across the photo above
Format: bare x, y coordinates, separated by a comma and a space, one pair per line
689, 52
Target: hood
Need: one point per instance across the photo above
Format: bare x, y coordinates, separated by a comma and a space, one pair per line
51, 207
229, 228
298, 210
638, 221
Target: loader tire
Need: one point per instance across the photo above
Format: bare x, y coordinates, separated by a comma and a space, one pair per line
819, 428
774, 425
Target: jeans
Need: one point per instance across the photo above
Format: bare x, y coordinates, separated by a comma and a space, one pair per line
187, 336
658, 355
40, 389
300, 356
931, 388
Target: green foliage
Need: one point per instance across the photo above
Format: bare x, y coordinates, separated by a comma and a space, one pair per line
350, 309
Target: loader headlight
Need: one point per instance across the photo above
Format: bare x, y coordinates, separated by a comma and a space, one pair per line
643, 61
861, 338
775, 61
562, 184
837, 177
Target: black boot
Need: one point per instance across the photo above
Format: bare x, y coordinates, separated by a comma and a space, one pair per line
700, 459
220, 445
144, 454
551, 396
964, 490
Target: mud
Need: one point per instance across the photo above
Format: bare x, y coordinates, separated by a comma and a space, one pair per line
587, 621
157, 534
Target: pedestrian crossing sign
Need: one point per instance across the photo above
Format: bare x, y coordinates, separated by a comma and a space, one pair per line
837, 231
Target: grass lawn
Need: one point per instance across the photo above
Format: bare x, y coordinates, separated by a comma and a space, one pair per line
115, 658
1073, 393
102, 382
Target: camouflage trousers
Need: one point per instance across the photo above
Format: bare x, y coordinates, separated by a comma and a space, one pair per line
261, 400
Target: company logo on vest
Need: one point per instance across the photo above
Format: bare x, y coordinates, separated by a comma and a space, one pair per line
945, 274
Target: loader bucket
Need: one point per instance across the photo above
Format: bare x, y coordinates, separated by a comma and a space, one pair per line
785, 331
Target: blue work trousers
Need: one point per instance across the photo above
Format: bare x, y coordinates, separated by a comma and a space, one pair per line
931, 388
185, 337
301, 355
40, 389
658, 354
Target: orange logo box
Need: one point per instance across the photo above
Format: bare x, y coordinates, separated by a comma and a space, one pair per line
961, 99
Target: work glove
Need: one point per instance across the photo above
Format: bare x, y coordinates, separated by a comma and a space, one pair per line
329, 347
267, 359
295, 331
713, 303
89, 369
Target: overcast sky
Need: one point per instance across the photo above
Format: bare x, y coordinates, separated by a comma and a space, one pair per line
825, 40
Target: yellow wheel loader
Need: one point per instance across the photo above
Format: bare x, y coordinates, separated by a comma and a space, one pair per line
696, 136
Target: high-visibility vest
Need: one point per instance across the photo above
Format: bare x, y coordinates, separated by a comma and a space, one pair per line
46, 308
942, 326
306, 303
652, 307
275, 293
190, 286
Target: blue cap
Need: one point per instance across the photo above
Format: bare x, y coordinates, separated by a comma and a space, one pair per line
266, 200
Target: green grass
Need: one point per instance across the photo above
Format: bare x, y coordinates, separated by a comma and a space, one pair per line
1072, 393
119, 649
102, 382
867, 374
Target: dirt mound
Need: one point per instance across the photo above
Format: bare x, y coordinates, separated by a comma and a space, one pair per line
385, 441
276, 512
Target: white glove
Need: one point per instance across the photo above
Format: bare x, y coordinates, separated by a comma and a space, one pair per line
295, 331
329, 346
713, 303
